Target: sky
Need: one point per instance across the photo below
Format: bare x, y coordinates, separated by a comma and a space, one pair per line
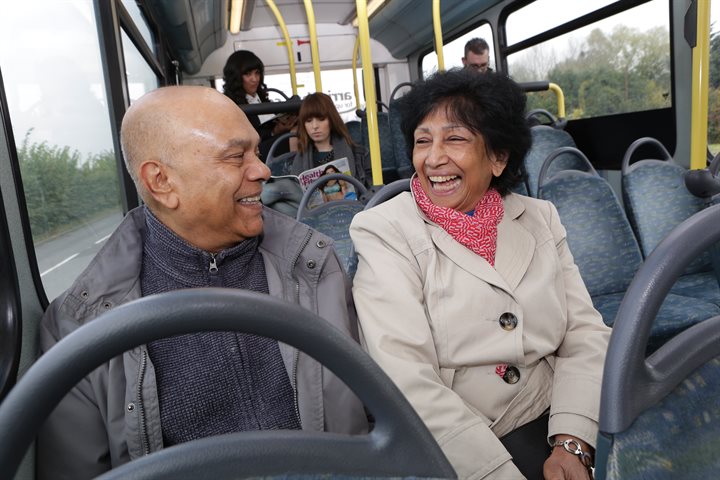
52, 70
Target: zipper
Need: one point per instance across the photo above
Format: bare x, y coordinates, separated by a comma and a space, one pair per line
141, 409
296, 358
215, 279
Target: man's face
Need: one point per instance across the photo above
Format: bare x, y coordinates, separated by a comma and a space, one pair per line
217, 177
479, 63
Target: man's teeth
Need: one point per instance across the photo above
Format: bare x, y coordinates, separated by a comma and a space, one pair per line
250, 199
440, 179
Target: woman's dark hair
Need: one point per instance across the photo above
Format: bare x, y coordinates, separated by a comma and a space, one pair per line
320, 105
237, 65
331, 167
488, 104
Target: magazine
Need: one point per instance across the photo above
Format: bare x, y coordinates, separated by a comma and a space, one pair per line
290, 188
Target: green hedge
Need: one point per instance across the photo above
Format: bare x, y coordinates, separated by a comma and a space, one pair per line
61, 190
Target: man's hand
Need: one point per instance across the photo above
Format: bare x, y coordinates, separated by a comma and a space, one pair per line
284, 123
563, 465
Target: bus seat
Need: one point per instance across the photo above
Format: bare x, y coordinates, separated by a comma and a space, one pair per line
545, 140
398, 446
656, 201
333, 218
281, 139
387, 151
355, 130
403, 159
389, 191
606, 251
658, 414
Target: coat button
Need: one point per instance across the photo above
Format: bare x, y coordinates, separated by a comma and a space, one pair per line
508, 321
130, 407
321, 244
512, 375
310, 264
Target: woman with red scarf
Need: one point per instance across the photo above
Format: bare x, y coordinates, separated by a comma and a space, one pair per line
468, 296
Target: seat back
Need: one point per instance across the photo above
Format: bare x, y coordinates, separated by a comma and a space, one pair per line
333, 218
398, 446
387, 151
389, 191
355, 130
656, 199
403, 159
545, 140
598, 233
658, 415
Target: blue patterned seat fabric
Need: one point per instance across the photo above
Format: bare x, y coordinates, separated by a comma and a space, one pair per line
607, 253
387, 150
333, 219
402, 156
355, 130
676, 439
545, 139
657, 201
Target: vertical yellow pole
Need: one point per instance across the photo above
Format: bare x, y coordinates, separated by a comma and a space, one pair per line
437, 27
314, 44
288, 43
700, 74
370, 99
354, 69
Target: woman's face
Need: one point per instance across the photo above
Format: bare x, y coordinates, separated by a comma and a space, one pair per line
451, 162
251, 81
318, 129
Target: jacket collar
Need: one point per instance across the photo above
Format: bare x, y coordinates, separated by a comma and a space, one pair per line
515, 248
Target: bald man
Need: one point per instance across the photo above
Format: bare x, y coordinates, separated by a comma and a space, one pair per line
193, 156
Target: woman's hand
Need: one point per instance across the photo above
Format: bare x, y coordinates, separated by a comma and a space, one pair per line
563, 465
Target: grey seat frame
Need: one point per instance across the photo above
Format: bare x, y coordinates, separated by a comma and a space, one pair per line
633, 383
398, 445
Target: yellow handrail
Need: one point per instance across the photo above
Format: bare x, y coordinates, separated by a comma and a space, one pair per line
560, 98
437, 27
354, 70
314, 44
370, 99
288, 43
700, 74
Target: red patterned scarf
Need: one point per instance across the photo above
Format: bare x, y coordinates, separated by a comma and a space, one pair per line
478, 232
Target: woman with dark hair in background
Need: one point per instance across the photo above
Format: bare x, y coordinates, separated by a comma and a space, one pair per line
323, 137
468, 296
244, 77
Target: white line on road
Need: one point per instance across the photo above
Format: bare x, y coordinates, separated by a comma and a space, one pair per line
59, 264
103, 238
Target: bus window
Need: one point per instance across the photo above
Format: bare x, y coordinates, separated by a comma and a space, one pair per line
140, 77
454, 51
714, 87
140, 22
51, 63
534, 18
615, 65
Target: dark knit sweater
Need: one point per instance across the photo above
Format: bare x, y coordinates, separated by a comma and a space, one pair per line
212, 383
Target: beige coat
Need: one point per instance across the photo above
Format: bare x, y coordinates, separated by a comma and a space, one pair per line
430, 311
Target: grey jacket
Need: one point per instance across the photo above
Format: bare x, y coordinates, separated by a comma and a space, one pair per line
357, 156
112, 416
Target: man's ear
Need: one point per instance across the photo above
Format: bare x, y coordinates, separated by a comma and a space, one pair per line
498, 162
464, 61
155, 177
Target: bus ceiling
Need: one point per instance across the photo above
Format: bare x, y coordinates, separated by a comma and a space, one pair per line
196, 29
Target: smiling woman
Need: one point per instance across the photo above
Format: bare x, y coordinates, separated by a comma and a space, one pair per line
493, 337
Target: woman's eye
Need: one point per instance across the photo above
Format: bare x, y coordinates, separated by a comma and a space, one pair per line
456, 139
419, 141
